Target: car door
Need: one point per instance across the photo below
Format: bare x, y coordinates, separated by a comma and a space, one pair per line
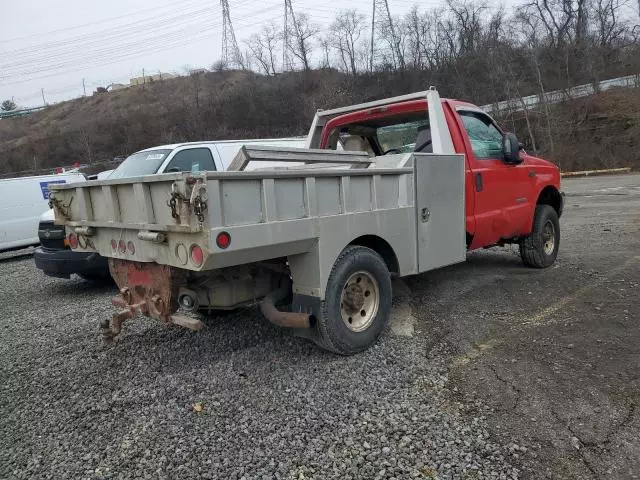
503, 192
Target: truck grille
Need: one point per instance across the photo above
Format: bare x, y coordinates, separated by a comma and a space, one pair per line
51, 235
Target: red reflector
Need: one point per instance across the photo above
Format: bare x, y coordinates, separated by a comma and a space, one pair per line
73, 240
122, 246
197, 257
131, 247
223, 240
114, 244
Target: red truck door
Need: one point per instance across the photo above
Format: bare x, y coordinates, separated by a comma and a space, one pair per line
503, 193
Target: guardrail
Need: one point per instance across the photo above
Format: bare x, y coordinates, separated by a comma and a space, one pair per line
587, 173
20, 113
557, 96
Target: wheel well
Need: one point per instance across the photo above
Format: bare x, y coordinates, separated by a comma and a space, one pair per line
550, 196
382, 248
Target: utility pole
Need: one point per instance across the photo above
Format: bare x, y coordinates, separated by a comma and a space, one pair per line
230, 50
386, 22
373, 26
84, 88
289, 22
285, 38
144, 79
43, 100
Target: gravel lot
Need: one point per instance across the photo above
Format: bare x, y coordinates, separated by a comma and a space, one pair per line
461, 386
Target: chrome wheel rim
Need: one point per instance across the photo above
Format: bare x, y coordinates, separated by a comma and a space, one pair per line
549, 237
359, 301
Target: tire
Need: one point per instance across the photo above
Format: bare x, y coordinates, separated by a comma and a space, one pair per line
540, 248
357, 302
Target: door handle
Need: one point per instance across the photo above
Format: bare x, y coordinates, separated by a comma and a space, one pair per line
478, 180
532, 173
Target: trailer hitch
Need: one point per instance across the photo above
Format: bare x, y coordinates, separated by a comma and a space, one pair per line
148, 289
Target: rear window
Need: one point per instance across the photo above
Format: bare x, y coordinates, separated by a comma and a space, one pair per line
142, 163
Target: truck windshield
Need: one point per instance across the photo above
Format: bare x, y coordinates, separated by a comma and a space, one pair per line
141, 163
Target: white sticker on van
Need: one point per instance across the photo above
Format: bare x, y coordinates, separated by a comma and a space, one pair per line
155, 156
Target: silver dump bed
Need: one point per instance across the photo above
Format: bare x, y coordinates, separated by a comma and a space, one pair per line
413, 202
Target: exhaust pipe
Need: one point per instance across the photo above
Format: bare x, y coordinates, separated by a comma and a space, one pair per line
280, 318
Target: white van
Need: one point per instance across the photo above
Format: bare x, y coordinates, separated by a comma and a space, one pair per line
22, 201
194, 156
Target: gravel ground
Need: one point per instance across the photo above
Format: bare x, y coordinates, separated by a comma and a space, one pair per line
273, 405
488, 370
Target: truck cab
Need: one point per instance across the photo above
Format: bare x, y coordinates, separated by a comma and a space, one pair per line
503, 183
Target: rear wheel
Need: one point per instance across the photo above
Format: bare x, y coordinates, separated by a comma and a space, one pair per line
357, 301
540, 248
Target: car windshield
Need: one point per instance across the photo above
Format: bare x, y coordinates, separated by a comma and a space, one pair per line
141, 163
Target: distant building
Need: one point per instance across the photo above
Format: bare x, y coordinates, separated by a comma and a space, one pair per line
150, 78
198, 71
118, 86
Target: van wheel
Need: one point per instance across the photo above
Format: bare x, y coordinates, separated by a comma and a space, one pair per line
357, 301
540, 248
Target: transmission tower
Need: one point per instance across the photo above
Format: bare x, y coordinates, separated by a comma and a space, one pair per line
289, 23
230, 51
380, 10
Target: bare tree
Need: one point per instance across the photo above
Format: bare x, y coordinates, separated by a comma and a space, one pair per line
609, 26
302, 33
346, 32
264, 47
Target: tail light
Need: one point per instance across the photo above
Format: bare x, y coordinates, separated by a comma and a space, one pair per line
197, 257
114, 244
223, 240
73, 240
131, 247
122, 247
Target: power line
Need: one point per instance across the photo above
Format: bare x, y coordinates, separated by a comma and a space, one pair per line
75, 27
97, 38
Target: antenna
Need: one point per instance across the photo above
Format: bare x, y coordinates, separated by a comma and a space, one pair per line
230, 51
380, 9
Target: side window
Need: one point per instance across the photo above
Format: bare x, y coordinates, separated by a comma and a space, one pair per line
485, 138
192, 160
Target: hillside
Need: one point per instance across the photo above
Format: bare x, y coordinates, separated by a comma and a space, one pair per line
599, 131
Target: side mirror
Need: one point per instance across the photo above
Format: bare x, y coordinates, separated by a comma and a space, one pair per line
511, 149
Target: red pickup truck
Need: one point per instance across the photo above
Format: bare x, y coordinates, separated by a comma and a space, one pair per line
511, 196
419, 181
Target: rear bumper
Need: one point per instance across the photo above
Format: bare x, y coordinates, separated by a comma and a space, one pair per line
62, 263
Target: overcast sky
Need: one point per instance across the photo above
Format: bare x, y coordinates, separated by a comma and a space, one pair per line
54, 45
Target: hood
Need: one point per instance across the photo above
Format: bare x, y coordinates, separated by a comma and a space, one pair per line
47, 216
538, 162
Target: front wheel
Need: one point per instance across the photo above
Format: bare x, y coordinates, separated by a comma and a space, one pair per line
357, 301
540, 248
